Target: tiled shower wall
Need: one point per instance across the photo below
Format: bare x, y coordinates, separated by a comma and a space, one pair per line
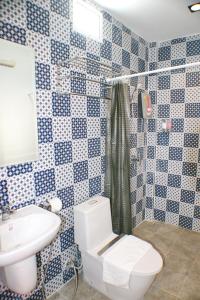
71, 130
173, 158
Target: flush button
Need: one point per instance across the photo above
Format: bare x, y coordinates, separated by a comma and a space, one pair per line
92, 202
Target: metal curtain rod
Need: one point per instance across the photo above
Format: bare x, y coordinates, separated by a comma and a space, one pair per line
153, 72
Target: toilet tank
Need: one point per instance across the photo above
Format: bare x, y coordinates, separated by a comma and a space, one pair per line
92, 222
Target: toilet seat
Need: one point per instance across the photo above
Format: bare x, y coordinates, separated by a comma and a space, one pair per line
149, 264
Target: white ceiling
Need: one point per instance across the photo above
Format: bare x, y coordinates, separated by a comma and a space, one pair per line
155, 20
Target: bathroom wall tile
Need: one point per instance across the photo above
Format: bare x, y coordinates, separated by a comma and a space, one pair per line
37, 18
176, 152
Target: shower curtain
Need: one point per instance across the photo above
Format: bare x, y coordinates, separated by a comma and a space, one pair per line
117, 177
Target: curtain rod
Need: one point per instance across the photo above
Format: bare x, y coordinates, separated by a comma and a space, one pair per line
190, 65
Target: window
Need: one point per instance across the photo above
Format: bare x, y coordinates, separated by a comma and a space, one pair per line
87, 20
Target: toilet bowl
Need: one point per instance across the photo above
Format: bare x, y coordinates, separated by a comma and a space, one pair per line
93, 234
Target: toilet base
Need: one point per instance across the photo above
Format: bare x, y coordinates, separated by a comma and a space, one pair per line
93, 275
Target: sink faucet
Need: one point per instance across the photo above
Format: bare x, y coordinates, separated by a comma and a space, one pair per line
5, 212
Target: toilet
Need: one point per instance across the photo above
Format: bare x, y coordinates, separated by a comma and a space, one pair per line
94, 236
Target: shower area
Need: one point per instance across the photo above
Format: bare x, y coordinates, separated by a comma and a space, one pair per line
164, 148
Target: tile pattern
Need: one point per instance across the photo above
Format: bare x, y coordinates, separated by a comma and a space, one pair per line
174, 159
71, 129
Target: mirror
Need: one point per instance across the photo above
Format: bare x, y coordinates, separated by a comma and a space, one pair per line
18, 121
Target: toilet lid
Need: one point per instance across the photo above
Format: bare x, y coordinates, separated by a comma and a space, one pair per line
151, 262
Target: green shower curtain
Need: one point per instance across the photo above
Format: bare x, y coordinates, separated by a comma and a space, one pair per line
117, 177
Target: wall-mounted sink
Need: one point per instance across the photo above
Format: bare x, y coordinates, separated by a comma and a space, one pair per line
27, 231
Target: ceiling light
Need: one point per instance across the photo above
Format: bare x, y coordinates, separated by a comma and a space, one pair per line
194, 7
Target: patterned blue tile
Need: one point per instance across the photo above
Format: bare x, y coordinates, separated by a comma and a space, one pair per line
140, 180
94, 147
160, 191
150, 152
44, 182
197, 212
177, 96
106, 50
133, 196
150, 178
93, 106
141, 65
37, 18
38, 295
61, 106
173, 206
134, 46
164, 53
133, 169
153, 95
63, 153
191, 140
185, 222
187, 196
139, 206
193, 79
12, 33
80, 171
59, 52
178, 41
19, 169
45, 134
79, 128
125, 29
164, 82
177, 125
60, 7
177, 62
189, 169
67, 196
159, 215
193, 48
7, 295
163, 138
174, 180
103, 126
3, 192
43, 79
152, 66
103, 164
78, 40
125, 58
192, 110
163, 111
175, 153
149, 202
68, 275
116, 35
95, 186
94, 67
198, 185
53, 268
162, 165
78, 85
67, 239
107, 16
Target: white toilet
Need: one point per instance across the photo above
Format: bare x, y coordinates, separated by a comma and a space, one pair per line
93, 234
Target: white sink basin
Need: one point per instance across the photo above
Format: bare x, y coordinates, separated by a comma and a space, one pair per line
27, 231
